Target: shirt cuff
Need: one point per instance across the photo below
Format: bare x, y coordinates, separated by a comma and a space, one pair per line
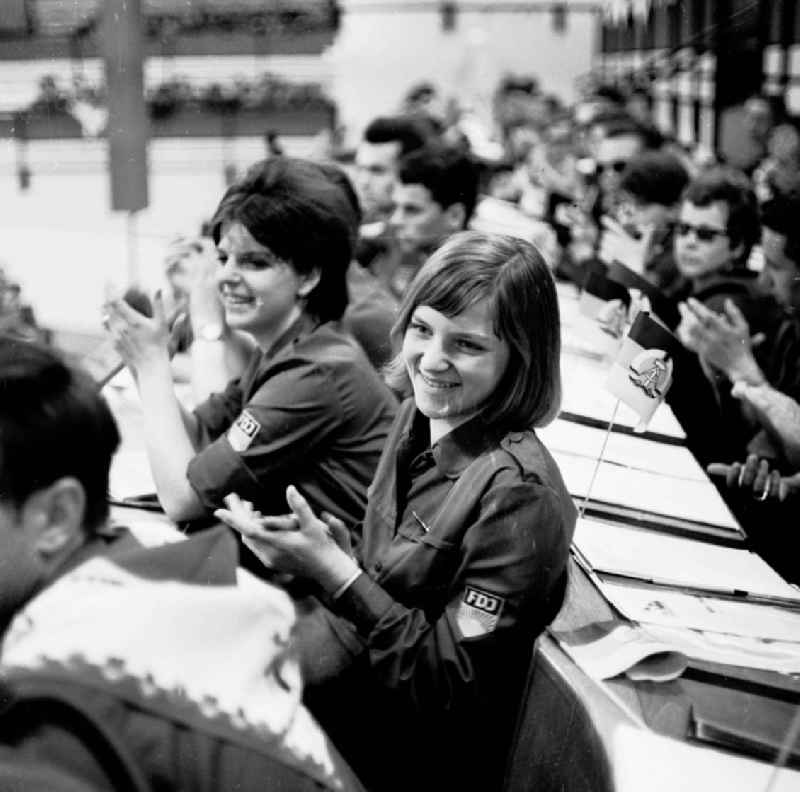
364, 603
346, 585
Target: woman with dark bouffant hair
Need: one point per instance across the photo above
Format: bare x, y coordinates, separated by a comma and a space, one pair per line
415, 663
308, 409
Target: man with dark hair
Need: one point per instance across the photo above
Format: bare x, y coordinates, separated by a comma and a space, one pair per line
613, 139
718, 224
434, 197
107, 645
385, 141
616, 142
726, 340
650, 187
724, 313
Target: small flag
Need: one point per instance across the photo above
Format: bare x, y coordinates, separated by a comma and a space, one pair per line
643, 370
664, 308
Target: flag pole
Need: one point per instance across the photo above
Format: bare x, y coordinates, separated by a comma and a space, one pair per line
599, 461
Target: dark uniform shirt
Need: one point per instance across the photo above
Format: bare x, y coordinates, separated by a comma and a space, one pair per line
310, 412
370, 314
464, 548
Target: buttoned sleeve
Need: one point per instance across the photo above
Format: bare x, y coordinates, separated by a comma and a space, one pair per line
294, 411
510, 560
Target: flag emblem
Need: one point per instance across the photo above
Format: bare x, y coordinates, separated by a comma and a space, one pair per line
243, 432
651, 371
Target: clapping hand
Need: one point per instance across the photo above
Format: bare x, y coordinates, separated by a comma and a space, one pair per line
723, 340
140, 340
754, 476
299, 543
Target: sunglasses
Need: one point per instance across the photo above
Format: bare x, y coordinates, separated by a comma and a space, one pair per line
617, 166
703, 233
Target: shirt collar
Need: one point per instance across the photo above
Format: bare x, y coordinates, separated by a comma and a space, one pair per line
301, 326
454, 452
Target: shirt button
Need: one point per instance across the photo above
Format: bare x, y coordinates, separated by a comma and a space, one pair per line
377, 567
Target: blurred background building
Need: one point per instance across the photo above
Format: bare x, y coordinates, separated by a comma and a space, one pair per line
225, 82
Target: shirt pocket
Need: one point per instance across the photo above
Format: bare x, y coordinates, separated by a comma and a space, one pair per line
427, 565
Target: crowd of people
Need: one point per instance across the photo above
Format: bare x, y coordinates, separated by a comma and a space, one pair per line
369, 365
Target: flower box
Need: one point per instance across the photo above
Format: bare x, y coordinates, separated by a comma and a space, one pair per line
187, 122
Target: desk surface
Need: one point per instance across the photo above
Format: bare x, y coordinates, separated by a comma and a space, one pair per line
579, 751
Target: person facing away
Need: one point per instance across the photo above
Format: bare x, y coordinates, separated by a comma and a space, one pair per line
106, 644
309, 408
415, 657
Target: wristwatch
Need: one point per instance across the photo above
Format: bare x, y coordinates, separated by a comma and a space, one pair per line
210, 331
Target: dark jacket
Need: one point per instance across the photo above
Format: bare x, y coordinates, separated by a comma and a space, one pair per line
464, 550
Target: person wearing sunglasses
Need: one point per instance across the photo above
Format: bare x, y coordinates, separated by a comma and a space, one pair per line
617, 143
716, 228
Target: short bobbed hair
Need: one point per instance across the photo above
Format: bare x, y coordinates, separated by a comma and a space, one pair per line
514, 277
53, 423
294, 208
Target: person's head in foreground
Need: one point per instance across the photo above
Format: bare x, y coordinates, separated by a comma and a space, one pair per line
284, 238
57, 437
780, 242
435, 196
479, 330
717, 225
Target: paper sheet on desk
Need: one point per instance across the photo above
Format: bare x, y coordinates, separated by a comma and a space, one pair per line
635, 452
130, 474
659, 606
646, 491
644, 760
676, 560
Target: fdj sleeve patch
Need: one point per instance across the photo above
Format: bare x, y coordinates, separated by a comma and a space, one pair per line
243, 432
478, 612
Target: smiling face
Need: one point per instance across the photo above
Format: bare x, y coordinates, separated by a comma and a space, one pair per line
454, 363
698, 259
261, 293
